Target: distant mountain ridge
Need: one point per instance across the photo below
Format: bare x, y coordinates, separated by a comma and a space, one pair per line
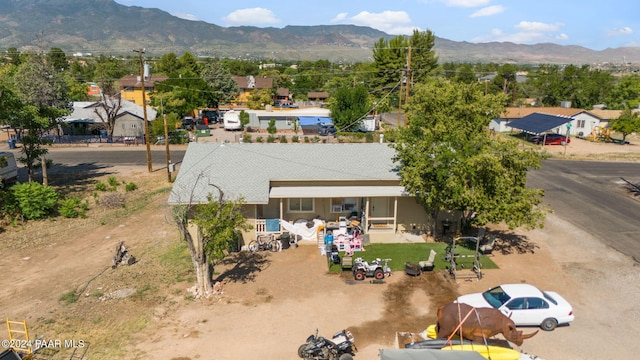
104, 26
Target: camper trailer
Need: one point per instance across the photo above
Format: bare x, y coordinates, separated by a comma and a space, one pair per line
368, 124
232, 120
8, 168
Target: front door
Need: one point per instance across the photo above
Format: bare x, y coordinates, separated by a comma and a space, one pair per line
379, 207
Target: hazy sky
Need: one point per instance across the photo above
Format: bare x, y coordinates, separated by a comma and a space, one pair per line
592, 24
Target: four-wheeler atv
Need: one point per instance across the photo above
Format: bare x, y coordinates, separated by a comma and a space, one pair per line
362, 269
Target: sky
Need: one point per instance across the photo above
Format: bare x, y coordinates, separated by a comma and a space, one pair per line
596, 25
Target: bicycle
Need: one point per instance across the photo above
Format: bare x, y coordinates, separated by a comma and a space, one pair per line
265, 242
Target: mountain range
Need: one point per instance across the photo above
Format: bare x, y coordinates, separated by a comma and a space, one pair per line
106, 27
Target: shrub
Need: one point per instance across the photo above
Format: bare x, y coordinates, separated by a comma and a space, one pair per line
295, 139
306, 139
246, 138
73, 207
259, 139
112, 181
34, 199
271, 139
283, 139
369, 137
130, 187
100, 186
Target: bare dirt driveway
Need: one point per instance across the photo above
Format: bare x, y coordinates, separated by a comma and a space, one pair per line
272, 301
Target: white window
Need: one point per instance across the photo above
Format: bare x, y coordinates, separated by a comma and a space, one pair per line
340, 205
301, 205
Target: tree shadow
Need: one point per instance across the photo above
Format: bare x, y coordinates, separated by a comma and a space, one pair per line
246, 266
74, 177
509, 243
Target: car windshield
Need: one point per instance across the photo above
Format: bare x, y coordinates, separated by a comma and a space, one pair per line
496, 297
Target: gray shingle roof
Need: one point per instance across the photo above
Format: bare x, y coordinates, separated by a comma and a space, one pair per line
84, 110
246, 170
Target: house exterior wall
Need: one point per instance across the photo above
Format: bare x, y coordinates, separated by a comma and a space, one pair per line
128, 125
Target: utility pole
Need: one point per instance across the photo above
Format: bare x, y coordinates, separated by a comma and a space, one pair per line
166, 146
144, 111
409, 77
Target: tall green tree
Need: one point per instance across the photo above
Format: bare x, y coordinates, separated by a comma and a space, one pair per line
221, 86
218, 222
628, 122
423, 59
44, 92
449, 160
348, 106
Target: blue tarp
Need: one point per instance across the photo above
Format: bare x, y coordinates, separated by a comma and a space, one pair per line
313, 120
272, 224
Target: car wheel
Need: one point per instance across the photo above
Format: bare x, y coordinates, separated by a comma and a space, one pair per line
563, 143
549, 324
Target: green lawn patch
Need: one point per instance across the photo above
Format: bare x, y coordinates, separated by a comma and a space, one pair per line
401, 253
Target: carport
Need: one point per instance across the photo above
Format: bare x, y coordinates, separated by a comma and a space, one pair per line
538, 123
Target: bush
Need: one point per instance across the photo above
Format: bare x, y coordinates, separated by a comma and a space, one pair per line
34, 199
306, 139
112, 181
73, 208
130, 187
100, 186
271, 139
369, 137
295, 139
259, 139
283, 139
246, 138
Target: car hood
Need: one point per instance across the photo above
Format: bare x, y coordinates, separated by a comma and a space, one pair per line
475, 300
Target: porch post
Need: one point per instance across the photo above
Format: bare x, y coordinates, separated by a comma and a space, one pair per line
281, 213
366, 216
395, 213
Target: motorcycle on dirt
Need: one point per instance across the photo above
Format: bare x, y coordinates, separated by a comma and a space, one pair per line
340, 347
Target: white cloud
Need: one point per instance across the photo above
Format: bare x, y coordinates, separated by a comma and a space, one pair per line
391, 22
186, 16
622, 31
528, 26
251, 16
528, 33
466, 3
339, 17
488, 11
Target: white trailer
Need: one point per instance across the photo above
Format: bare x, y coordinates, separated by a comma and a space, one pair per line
232, 120
8, 168
368, 124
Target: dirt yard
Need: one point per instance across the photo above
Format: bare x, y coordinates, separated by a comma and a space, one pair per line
271, 302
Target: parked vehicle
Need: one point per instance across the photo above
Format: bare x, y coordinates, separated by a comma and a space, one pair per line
231, 120
209, 116
362, 269
525, 304
550, 139
8, 168
368, 124
188, 122
327, 129
340, 347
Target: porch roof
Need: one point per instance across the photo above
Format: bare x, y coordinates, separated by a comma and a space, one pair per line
336, 191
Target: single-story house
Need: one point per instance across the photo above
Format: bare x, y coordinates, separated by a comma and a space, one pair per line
247, 84
296, 183
285, 118
582, 121
84, 120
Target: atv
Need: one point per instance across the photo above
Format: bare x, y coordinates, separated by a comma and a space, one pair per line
362, 269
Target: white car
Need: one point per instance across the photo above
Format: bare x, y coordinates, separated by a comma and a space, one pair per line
525, 304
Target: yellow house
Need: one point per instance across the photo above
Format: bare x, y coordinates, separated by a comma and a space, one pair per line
131, 87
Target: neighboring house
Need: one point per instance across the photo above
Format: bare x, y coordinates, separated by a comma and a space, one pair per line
303, 181
306, 117
283, 98
94, 90
131, 87
247, 84
84, 120
317, 98
582, 121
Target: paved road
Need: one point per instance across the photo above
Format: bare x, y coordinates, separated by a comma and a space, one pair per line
592, 196
588, 194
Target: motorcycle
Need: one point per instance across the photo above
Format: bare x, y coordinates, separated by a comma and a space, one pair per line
340, 347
